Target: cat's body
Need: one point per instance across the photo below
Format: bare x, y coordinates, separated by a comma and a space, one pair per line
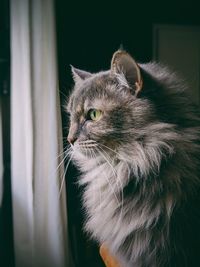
136, 138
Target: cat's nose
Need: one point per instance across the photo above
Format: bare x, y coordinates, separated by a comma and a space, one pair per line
73, 133
71, 139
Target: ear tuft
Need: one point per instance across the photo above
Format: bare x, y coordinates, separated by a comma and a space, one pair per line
122, 62
79, 75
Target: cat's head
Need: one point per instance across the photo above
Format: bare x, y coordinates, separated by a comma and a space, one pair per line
105, 108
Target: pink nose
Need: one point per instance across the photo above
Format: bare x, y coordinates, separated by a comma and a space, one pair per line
71, 140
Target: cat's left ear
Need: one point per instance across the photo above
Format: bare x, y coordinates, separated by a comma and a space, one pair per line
123, 63
79, 75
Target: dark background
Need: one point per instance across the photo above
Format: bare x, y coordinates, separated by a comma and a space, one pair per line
87, 33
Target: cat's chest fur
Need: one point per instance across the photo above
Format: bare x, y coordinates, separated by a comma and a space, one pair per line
111, 219
103, 198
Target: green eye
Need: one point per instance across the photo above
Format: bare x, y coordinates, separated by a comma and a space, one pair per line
94, 114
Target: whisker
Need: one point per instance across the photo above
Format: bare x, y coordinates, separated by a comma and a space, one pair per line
112, 167
65, 96
120, 186
110, 149
65, 172
93, 187
63, 155
60, 154
87, 141
113, 170
119, 156
62, 161
100, 196
107, 176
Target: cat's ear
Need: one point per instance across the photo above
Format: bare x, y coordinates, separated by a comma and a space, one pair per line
123, 63
79, 75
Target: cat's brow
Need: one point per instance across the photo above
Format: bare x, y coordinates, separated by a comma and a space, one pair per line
79, 109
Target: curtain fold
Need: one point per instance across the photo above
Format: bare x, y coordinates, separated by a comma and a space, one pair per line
39, 212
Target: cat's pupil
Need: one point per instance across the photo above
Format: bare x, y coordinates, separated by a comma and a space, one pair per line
94, 114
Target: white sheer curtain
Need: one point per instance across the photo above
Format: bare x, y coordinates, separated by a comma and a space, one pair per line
39, 214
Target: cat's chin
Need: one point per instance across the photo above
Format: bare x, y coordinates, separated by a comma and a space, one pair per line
85, 160
84, 152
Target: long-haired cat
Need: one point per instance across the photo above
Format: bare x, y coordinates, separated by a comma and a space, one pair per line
135, 136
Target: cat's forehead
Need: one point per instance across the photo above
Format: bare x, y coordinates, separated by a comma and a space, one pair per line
92, 92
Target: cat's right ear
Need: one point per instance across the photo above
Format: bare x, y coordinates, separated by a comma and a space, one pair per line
79, 75
122, 63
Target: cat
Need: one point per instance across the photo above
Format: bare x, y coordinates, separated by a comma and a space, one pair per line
135, 136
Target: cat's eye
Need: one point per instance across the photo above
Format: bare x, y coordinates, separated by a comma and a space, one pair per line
94, 114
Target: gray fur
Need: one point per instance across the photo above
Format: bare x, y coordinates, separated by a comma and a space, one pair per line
140, 162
